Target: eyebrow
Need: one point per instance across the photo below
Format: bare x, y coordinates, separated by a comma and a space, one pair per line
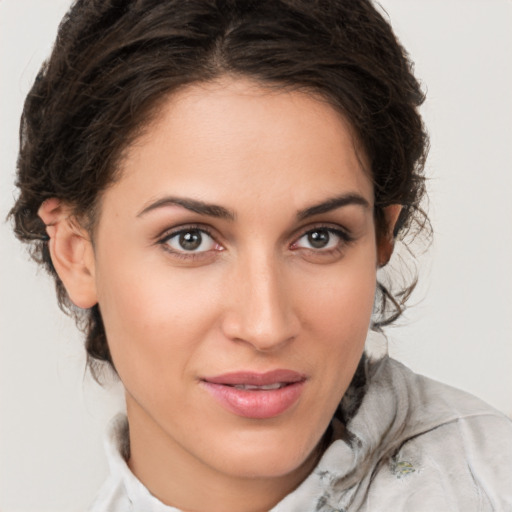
213, 210
193, 205
332, 204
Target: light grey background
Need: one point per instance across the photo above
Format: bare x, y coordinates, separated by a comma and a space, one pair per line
459, 330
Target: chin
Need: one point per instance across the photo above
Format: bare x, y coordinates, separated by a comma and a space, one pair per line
271, 458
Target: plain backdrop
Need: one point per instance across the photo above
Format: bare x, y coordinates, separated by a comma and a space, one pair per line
458, 329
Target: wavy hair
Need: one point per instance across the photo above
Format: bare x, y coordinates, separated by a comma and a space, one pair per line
114, 61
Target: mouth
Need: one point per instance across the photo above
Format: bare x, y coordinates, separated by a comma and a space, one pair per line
266, 387
256, 395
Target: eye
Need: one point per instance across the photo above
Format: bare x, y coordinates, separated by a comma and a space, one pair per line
190, 240
321, 239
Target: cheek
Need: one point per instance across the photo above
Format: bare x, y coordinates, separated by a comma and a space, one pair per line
341, 301
154, 318
337, 314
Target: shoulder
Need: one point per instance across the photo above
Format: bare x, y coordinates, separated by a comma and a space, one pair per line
411, 444
432, 405
453, 446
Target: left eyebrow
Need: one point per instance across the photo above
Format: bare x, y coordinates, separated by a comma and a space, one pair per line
332, 204
193, 205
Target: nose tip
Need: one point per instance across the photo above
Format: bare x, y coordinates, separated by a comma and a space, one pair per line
262, 340
262, 313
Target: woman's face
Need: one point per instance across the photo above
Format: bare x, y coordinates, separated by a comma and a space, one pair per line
234, 267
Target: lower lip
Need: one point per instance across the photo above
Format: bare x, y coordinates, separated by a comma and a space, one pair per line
256, 404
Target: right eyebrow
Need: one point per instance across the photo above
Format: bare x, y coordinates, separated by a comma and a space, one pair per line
212, 210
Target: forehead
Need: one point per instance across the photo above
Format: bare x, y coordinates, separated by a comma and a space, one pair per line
244, 136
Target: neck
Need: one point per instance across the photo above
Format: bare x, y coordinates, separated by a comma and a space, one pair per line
179, 479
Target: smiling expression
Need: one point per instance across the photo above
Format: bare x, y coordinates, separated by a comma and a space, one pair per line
235, 268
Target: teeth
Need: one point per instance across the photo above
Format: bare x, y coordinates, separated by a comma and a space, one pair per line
250, 387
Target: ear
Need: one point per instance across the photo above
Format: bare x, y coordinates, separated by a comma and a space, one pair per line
71, 251
386, 242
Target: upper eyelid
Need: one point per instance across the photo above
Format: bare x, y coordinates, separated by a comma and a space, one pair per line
170, 232
331, 227
343, 237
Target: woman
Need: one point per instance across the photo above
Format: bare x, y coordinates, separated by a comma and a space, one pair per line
215, 186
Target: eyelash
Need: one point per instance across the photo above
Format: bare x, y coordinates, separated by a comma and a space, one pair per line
345, 239
164, 239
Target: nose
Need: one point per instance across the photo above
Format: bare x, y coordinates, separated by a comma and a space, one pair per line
261, 311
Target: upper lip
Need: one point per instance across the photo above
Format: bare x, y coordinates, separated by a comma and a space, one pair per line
257, 379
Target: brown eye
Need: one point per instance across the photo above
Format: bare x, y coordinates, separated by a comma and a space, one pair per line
190, 240
322, 239
319, 239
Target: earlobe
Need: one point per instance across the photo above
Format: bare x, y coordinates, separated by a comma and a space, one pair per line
71, 252
386, 242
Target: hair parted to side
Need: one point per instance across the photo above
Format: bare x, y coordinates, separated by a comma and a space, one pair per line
115, 60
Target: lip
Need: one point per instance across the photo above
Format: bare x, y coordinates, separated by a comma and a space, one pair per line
256, 403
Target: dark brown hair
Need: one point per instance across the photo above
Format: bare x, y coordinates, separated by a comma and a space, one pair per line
114, 61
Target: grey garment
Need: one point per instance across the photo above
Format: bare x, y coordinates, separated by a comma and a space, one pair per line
411, 444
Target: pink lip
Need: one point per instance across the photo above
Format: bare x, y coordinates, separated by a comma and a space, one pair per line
256, 404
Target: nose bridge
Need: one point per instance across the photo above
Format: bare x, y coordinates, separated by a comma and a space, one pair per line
262, 311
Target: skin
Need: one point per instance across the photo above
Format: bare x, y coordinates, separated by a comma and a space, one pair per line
255, 296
